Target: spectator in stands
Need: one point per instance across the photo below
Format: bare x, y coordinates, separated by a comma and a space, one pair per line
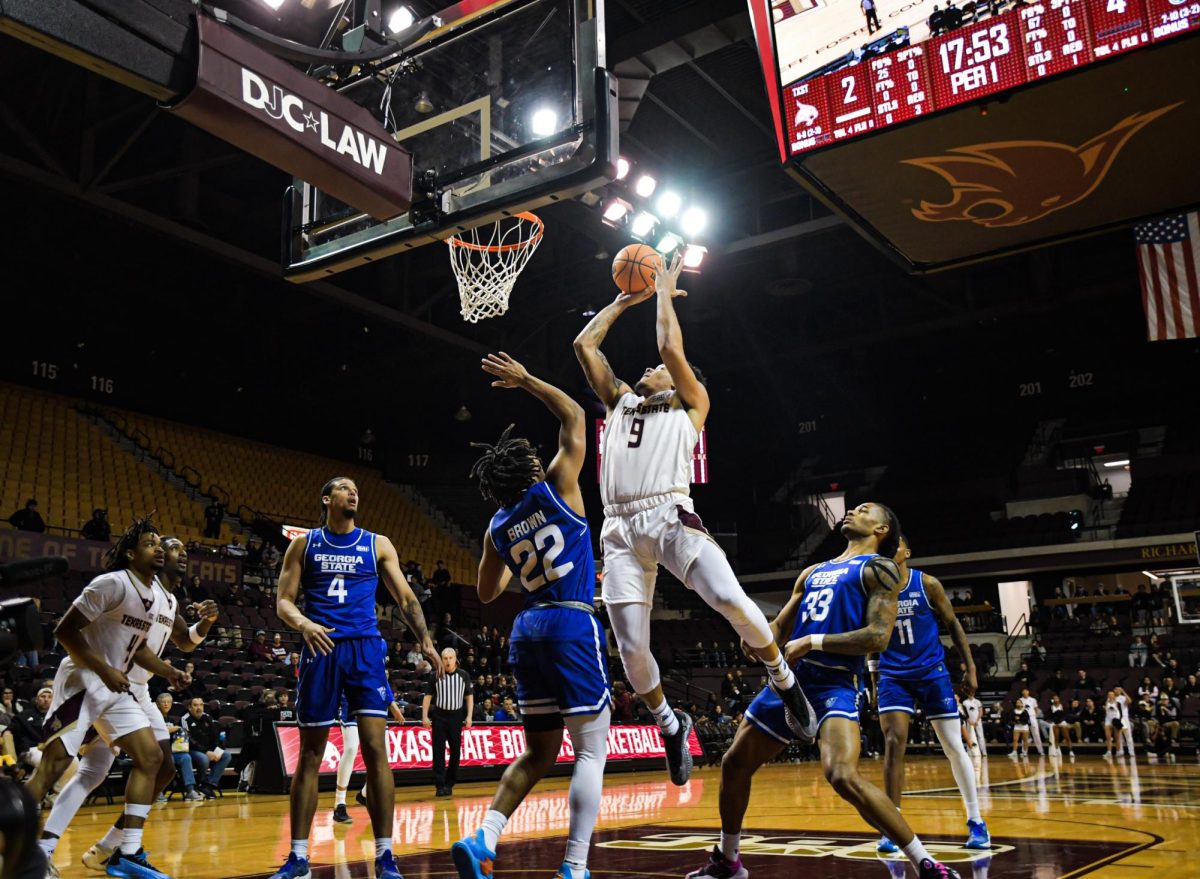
446, 637
396, 658
1075, 719
730, 691
1140, 606
253, 552
235, 597
1057, 684
1190, 687
10, 707
1158, 654
622, 703
485, 712
28, 518
1148, 690
733, 655
1138, 653
260, 650
179, 752
1092, 721
716, 658
1024, 676
483, 642
209, 758
293, 660
279, 653
1171, 691
270, 561
286, 711
223, 637
1084, 685
507, 712
213, 514
445, 597
27, 728
1166, 718
234, 549
1037, 653
413, 657
97, 527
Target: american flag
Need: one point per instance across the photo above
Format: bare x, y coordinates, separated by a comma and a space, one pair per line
1168, 254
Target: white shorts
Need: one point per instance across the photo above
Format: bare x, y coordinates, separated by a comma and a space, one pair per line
1020, 727
80, 701
635, 544
158, 724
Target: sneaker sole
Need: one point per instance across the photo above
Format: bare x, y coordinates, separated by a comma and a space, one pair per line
466, 864
793, 723
686, 764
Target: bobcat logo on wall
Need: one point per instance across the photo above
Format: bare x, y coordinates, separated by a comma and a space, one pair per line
1011, 183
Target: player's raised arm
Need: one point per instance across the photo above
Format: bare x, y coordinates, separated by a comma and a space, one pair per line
563, 472
595, 365
188, 638
493, 573
410, 608
881, 577
670, 343
945, 612
288, 590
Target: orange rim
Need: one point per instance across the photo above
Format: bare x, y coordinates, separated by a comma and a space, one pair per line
455, 241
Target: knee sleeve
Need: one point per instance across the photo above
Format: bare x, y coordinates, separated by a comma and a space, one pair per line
349, 754
94, 766
711, 577
631, 627
589, 738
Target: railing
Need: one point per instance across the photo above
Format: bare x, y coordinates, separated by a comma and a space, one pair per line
1019, 630
140, 439
216, 491
191, 476
164, 455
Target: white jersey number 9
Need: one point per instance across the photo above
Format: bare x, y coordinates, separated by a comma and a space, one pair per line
548, 541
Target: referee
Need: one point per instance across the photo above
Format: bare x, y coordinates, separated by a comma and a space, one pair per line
447, 707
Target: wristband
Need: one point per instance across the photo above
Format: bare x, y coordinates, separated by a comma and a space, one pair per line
872, 665
195, 634
817, 641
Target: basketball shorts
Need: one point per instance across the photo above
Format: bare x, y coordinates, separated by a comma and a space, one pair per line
832, 693
933, 691
158, 724
354, 669
560, 661
345, 718
635, 544
81, 700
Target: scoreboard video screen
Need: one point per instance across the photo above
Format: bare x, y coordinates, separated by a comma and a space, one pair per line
839, 81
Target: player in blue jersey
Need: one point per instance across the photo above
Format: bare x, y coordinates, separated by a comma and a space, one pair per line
336, 570
839, 611
557, 650
913, 670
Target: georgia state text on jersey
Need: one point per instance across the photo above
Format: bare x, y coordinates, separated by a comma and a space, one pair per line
547, 546
648, 445
914, 647
339, 582
835, 602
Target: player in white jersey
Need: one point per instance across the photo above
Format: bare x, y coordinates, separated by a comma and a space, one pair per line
1117, 728
972, 712
104, 633
99, 756
649, 519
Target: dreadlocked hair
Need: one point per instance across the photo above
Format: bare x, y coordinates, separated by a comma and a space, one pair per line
114, 559
506, 469
890, 545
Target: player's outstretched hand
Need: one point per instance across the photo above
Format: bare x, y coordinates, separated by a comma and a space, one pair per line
317, 638
114, 679
207, 610
178, 678
796, 650
435, 659
509, 373
627, 299
666, 276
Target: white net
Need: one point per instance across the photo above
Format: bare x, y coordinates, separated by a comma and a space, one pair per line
487, 260
1186, 592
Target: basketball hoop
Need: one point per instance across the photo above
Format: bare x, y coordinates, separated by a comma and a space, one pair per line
487, 270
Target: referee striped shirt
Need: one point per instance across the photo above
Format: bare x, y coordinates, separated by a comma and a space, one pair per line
450, 692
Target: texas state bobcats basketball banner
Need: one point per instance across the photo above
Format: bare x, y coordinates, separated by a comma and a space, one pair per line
410, 747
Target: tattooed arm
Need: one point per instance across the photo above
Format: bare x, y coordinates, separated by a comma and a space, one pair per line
945, 612
410, 608
587, 348
881, 578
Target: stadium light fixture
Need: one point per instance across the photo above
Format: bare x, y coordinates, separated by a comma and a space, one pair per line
693, 256
622, 168
645, 186
643, 224
693, 221
668, 243
1122, 463
544, 122
274, 4
401, 20
616, 211
670, 203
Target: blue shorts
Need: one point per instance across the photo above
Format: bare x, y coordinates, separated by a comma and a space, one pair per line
560, 660
355, 671
932, 691
832, 693
345, 718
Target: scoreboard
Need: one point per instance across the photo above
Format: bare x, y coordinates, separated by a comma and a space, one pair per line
994, 54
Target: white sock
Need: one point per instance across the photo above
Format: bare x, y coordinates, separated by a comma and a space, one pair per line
780, 672
300, 848
589, 735
339, 797
131, 840
48, 844
950, 736
667, 721
493, 825
916, 853
729, 845
382, 844
112, 839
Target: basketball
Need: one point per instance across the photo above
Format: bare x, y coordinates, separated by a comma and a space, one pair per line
634, 267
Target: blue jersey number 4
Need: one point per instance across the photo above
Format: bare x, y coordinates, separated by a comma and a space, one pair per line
337, 589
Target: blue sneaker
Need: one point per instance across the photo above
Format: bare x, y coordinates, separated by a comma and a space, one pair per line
886, 847
293, 868
978, 836
134, 866
564, 870
472, 857
385, 867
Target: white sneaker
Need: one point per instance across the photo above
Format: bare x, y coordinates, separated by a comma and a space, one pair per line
1013, 754
192, 796
96, 858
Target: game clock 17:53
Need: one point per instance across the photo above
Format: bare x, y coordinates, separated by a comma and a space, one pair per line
975, 61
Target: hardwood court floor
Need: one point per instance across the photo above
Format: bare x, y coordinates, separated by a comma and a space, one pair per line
1049, 819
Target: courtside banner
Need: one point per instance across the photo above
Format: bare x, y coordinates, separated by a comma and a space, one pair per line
410, 746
